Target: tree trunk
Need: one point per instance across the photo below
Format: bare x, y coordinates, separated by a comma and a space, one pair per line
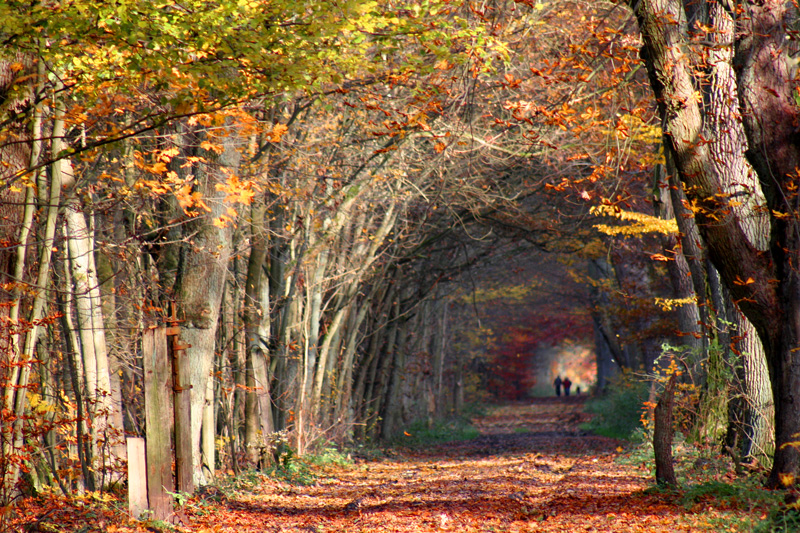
606, 338
107, 431
662, 436
254, 313
713, 142
202, 277
754, 419
15, 400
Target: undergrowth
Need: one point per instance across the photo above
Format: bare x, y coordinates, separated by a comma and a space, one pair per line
617, 413
288, 467
420, 434
709, 487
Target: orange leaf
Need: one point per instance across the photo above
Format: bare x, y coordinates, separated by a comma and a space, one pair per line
277, 133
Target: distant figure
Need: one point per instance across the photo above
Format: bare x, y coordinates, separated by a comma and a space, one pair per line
578, 390
557, 385
567, 384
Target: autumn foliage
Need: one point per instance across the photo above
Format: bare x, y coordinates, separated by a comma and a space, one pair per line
360, 215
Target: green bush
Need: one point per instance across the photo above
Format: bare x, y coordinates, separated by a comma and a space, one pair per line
330, 455
618, 412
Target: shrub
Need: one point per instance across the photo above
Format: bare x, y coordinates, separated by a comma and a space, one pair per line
618, 412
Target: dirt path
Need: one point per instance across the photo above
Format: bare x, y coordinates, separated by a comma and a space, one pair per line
531, 469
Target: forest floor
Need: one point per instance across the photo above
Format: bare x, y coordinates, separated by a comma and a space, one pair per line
531, 469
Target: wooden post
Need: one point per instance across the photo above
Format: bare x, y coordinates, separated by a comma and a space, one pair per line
184, 464
182, 407
137, 477
158, 422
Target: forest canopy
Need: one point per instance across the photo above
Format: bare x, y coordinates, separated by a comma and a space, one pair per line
308, 192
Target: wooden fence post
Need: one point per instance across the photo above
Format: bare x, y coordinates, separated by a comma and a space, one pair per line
182, 407
137, 477
158, 422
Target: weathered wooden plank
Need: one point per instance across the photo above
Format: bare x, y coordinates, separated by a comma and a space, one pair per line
184, 463
158, 422
137, 477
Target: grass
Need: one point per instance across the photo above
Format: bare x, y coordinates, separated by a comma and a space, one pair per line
419, 435
618, 412
742, 494
713, 496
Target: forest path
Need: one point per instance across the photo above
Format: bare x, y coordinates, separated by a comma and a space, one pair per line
532, 469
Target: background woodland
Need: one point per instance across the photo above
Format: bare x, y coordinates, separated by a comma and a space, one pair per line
366, 214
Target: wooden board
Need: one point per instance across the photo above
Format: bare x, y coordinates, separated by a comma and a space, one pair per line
184, 463
158, 422
137, 477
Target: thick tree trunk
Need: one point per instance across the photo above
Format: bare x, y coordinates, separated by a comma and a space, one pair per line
756, 413
202, 277
254, 313
706, 135
690, 325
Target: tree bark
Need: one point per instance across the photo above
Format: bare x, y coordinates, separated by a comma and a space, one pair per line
203, 272
662, 436
713, 140
107, 431
254, 312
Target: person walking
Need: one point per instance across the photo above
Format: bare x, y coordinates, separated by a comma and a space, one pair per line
567, 384
557, 385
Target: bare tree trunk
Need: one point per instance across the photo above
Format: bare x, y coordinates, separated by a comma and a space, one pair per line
15, 395
713, 142
344, 408
107, 431
440, 346
662, 436
753, 423
208, 437
254, 313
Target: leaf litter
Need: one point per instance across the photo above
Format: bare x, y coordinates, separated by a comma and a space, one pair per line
531, 469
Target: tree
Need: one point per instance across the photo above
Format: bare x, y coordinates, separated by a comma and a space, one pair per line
720, 74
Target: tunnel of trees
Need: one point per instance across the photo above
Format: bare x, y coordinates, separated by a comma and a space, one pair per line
363, 214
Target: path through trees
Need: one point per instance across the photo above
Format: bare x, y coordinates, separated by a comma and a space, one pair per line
532, 469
